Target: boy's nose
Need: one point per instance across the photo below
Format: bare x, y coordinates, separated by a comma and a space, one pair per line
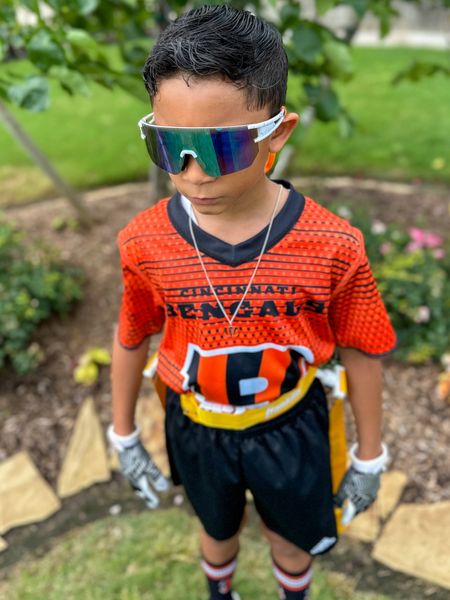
193, 172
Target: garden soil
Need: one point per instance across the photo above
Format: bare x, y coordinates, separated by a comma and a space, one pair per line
38, 411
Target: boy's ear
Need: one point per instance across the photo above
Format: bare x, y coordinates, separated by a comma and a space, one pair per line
283, 132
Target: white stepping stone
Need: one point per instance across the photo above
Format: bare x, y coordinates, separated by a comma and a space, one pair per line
86, 460
366, 526
25, 496
416, 541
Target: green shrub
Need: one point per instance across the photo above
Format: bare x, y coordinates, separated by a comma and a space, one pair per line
34, 284
413, 274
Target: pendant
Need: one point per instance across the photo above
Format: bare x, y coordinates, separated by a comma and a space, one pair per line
231, 331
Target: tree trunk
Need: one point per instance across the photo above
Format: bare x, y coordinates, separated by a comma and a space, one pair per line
159, 181
19, 134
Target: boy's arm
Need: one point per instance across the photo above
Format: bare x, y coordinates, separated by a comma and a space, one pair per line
126, 378
360, 485
364, 381
136, 463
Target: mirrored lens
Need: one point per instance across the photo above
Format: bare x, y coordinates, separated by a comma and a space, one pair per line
164, 149
235, 149
219, 152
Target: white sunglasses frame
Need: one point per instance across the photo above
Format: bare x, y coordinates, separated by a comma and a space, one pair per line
265, 128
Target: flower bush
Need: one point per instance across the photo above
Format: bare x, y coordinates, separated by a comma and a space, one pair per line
34, 284
412, 269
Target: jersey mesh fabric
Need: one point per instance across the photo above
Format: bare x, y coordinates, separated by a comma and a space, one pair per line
313, 290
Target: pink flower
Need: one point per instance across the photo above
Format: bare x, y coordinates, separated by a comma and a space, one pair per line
422, 239
438, 253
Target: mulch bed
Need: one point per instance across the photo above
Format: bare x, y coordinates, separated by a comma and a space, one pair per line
37, 411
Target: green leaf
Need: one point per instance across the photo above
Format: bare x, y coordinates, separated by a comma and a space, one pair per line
323, 6
289, 16
131, 3
325, 101
72, 81
30, 5
7, 14
133, 85
85, 7
328, 107
32, 94
78, 7
346, 124
420, 69
307, 43
83, 43
43, 51
359, 6
134, 54
2, 50
340, 58
384, 10
4, 91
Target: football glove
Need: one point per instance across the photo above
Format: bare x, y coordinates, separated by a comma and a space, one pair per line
136, 464
360, 485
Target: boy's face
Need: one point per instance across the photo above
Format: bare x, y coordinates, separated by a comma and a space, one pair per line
216, 103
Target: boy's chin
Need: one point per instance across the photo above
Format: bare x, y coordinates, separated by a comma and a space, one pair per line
204, 202
209, 209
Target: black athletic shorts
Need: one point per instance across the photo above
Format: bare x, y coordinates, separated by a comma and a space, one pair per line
285, 463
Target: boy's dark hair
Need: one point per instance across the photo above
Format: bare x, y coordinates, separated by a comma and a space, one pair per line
224, 42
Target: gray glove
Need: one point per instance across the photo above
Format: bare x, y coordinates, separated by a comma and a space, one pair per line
360, 485
138, 467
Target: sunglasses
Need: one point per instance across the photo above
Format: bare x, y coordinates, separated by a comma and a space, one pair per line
218, 150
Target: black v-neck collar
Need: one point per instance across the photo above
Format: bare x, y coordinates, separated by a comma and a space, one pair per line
237, 254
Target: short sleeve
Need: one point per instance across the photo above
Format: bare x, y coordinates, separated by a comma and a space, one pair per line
358, 316
141, 311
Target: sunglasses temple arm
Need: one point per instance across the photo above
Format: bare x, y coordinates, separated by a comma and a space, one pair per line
141, 128
268, 128
143, 122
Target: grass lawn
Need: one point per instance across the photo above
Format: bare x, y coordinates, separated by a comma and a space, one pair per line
149, 556
402, 131
94, 141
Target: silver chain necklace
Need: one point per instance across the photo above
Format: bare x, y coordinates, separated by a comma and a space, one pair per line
233, 331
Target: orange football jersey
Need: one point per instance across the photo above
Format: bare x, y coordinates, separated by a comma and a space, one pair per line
313, 291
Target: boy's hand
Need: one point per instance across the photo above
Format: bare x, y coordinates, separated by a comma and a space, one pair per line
360, 485
138, 467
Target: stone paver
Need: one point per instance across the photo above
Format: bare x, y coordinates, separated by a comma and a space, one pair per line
366, 526
86, 460
25, 496
416, 541
392, 485
150, 418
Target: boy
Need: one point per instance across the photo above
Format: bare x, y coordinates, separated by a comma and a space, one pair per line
255, 286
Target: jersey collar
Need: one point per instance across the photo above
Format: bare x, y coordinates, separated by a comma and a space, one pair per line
237, 254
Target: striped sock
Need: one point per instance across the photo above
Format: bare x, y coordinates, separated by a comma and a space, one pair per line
293, 586
219, 578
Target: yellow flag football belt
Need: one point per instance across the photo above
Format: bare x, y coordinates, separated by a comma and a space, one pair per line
243, 417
